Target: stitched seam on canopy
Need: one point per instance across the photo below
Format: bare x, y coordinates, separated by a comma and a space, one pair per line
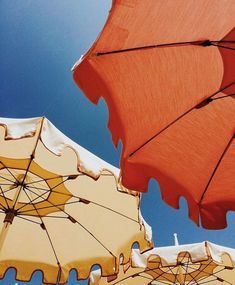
49, 238
216, 168
30, 161
204, 43
177, 119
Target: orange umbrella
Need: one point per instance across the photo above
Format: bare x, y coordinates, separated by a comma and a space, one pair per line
166, 71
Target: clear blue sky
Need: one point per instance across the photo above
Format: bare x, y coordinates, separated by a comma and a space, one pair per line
40, 42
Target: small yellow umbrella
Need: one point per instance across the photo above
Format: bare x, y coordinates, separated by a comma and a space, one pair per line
61, 207
191, 264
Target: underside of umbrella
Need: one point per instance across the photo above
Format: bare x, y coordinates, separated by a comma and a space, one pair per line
61, 207
192, 264
166, 71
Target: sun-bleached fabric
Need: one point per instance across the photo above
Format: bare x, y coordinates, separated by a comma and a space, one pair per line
61, 207
197, 251
217, 251
169, 254
205, 263
169, 81
56, 142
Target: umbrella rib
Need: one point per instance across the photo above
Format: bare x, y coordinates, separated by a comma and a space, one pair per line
225, 47
97, 204
186, 270
3, 208
48, 207
13, 184
207, 265
85, 230
56, 206
47, 190
20, 217
227, 42
116, 212
4, 178
158, 281
125, 278
181, 265
221, 280
51, 178
153, 280
50, 216
21, 186
73, 196
30, 162
33, 200
176, 279
203, 271
43, 226
225, 96
41, 180
193, 278
216, 168
204, 43
177, 119
220, 277
159, 275
5, 167
213, 274
162, 274
44, 189
170, 269
205, 282
39, 196
4, 197
91, 234
138, 274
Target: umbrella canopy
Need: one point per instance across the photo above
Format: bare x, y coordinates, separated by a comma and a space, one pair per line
166, 71
194, 264
61, 207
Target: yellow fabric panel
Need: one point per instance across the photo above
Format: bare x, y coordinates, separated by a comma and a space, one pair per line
55, 218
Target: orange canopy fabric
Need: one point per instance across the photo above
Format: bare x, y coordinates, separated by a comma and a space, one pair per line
167, 72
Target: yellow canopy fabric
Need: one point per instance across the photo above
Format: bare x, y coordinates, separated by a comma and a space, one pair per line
61, 207
194, 264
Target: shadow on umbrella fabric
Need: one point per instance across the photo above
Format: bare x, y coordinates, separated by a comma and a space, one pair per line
166, 71
199, 263
61, 207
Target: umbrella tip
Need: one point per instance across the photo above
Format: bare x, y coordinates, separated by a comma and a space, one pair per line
176, 239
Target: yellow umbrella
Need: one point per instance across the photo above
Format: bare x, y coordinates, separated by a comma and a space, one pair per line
61, 207
191, 264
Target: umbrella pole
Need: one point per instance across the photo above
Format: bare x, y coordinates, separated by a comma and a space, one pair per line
8, 219
11, 212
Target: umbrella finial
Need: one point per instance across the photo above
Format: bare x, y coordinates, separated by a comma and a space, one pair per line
176, 239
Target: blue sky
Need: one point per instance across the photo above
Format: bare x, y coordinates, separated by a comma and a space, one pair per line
40, 42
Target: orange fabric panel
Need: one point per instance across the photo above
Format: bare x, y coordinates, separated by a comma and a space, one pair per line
154, 93
175, 78
221, 191
183, 157
227, 48
135, 23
